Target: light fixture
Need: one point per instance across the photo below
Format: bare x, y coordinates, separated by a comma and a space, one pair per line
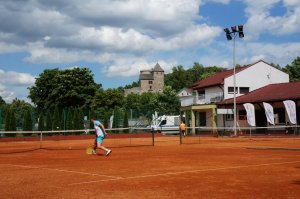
233, 28
228, 34
241, 33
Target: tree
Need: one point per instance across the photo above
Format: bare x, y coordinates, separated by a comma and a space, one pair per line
132, 102
125, 122
169, 103
134, 84
115, 123
41, 126
7, 120
108, 99
70, 124
177, 79
20, 107
80, 119
64, 88
27, 122
56, 121
2, 102
194, 74
48, 126
293, 70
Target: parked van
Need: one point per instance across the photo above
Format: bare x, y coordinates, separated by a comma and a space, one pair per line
166, 124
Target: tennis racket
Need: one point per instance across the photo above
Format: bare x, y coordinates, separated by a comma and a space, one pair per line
89, 150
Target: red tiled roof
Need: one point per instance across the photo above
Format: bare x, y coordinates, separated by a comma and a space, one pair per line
270, 93
216, 79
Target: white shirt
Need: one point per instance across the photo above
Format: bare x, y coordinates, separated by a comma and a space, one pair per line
99, 131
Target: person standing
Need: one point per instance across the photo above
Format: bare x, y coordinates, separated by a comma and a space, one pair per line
101, 133
182, 128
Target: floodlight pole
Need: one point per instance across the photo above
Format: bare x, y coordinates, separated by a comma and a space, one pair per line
234, 33
234, 87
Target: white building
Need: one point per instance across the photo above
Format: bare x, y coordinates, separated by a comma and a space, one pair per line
202, 107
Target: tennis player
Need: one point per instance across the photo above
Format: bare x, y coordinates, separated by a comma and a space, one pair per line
100, 137
96, 123
99, 131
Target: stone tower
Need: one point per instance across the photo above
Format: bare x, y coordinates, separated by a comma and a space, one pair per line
159, 78
152, 80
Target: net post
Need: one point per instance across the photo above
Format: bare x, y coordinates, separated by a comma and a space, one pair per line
152, 131
180, 136
41, 139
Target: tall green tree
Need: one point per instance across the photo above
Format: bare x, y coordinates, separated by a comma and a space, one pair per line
56, 120
48, 124
125, 122
64, 88
20, 107
169, 102
116, 119
81, 119
177, 79
27, 122
41, 123
109, 99
7, 119
293, 70
2, 102
70, 117
12, 123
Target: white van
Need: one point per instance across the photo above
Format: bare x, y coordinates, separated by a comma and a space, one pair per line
166, 124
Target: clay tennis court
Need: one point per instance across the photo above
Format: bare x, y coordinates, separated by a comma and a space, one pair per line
200, 168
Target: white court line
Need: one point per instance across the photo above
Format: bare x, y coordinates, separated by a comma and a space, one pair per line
183, 172
61, 170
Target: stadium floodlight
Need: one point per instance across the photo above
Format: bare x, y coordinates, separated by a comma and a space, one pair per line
241, 32
233, 28
229, 36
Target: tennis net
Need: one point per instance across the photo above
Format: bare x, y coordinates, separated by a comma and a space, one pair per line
280, 131
22, 141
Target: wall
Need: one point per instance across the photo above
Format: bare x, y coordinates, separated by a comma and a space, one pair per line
256, 76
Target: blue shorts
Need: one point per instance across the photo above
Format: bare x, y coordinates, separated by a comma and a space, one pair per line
100, 139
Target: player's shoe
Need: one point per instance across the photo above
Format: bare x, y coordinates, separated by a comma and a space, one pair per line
94, 152
108, 152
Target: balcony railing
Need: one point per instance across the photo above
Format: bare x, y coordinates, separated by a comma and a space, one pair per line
201, 99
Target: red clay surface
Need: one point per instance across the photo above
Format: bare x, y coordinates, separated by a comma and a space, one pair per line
205, 168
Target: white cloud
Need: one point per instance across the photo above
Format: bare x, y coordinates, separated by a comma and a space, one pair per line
14, 84
261, 21
276, 53
218, 1
132, 67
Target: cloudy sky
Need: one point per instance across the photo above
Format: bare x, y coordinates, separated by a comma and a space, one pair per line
118, 38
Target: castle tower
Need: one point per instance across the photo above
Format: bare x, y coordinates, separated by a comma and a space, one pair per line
159, 78
150, 81
146, 81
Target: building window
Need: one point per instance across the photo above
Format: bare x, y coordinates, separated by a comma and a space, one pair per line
230, 90
244, 90
201, 92
150, 82
150, 87
229, 117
